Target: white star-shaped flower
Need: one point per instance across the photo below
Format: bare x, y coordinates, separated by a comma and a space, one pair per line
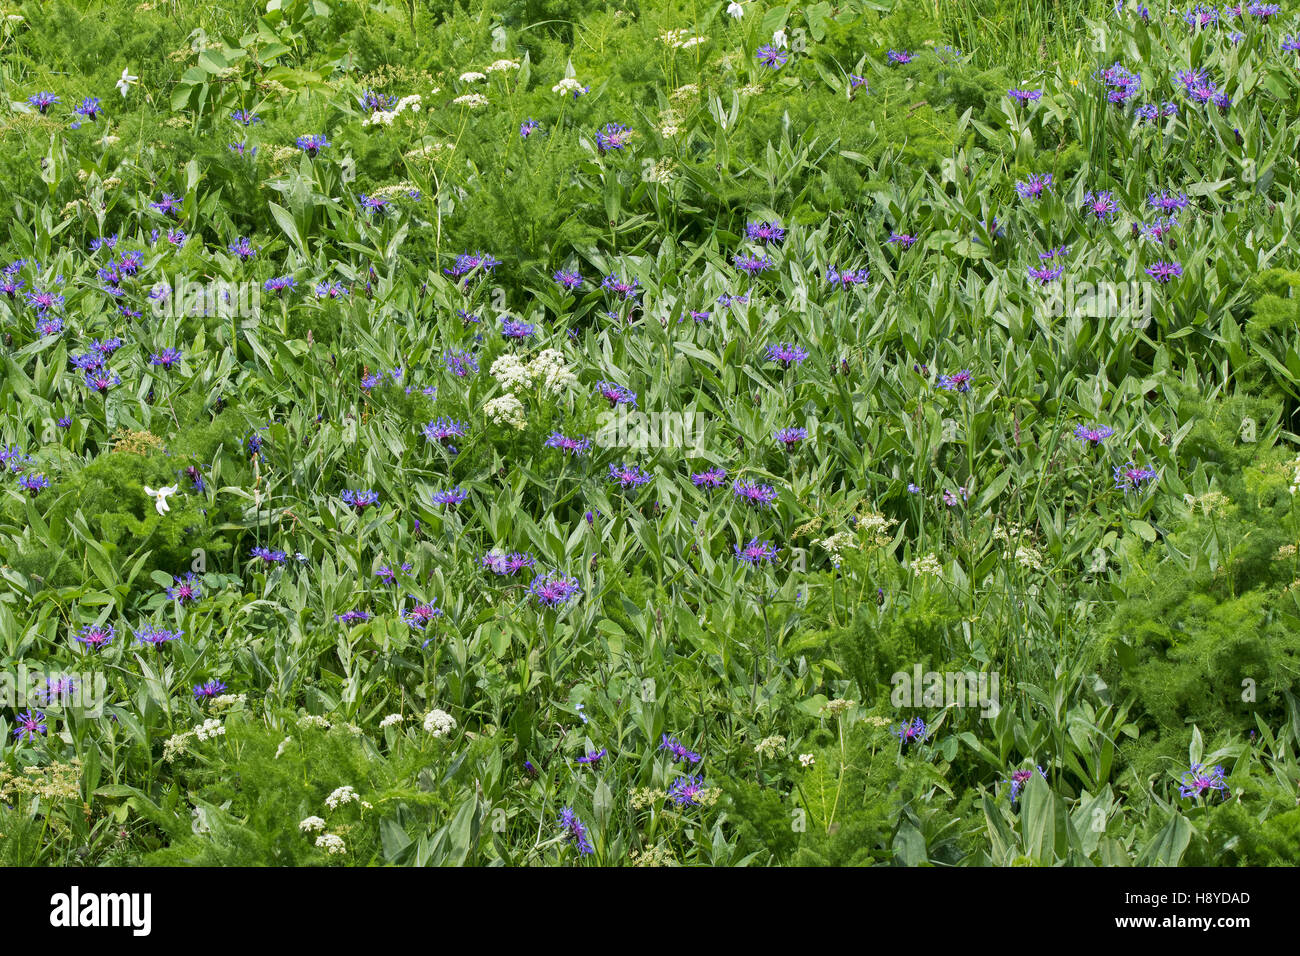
124, 84
160, 496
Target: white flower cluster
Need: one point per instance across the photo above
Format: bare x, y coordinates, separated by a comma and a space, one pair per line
439, 723
472, 77
386, 117
500, 66
927, 564
836, 543
566, 85
311, 825
331, 843
770, 746
227, 701
341, 796
208, 729
391, 720
312, 720
472, 100
807, 760
506, 410
548, 370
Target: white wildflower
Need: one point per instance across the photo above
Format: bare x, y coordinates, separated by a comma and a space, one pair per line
312, 720
472, 100
391, 720
439, 723
807, 760
927, 564
473, 77
311, 825
506, 410
566, 85
500, 66
341, 796
331, 843
208, 729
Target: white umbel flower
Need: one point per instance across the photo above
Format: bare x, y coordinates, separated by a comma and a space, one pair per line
439, 723
311, 825
331, 843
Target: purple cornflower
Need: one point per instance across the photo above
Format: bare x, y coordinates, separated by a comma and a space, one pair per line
460, 363
847, 277
1058, 253
1291, 43
771, 56
352, 617
679, 752
422, 615
43, 100
1159, 228
1018, 779
614, 136
388, 575
242, 248
1046, 274
1034, 186
753, 265
575, 831
1164, 272
789, 437
373, 204
1198, 783
313, 144
467, 263
517, 329
787, 354
1025, 96
629, 476
700, 316
956, 382
327, 289
624, 288
685, 791
765, 232
553, 589
209, 690
1201, 16
1093, 434
756, 552
57, 690
245, 118
168, 205
89, 108
901, 239
527, 127
185, 590
594, 757
452, 496
913, 732
96, 636
1131, 478
44, 301
101, 381
360, 500
1100, 204
900, 56
711, 479
443, 430
268, 556
616, 394
30, 725
569, 281
167, 358
508, 565
155, 635
279, 284
574, 446
753, 493
33, 484
1167, 202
